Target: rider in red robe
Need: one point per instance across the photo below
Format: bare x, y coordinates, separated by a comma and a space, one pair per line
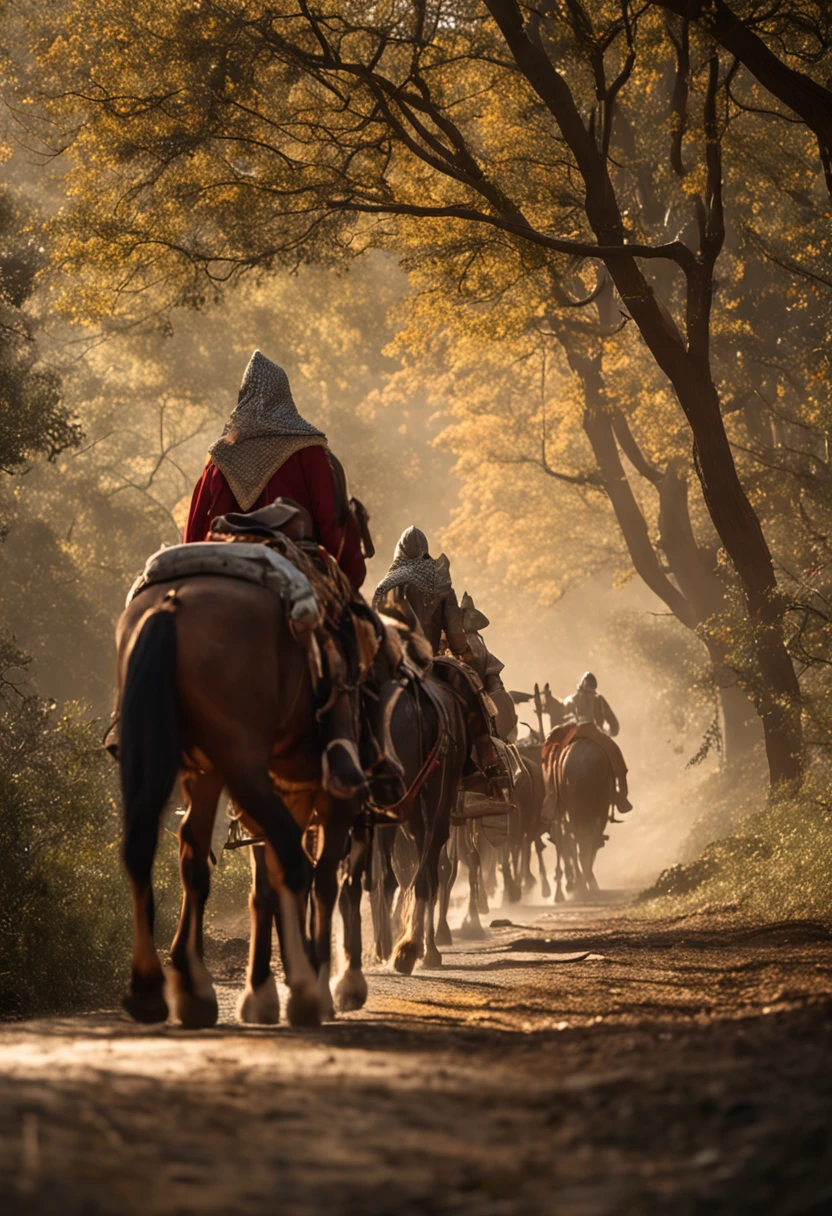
267, 451
305, 477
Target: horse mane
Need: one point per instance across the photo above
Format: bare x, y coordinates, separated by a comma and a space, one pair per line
405, 633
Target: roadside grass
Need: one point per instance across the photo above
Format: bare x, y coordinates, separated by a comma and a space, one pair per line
774, 862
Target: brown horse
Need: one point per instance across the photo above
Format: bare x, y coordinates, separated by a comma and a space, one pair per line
214, 687
586, 789
439, 716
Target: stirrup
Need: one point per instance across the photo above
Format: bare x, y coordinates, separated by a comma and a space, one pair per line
336, 786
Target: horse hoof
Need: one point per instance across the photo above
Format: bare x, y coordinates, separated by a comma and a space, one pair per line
260, 1006
560, 898
304, 1006
443, 936
432, 961
471, 931
196, 1012
325, 1002
351, 991
149, 1008
545, 891
406, 957
193, 1010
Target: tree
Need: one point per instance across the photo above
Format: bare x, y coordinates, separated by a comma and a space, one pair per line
256, 135
33, 420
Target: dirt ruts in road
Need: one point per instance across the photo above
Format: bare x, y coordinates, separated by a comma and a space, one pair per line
586, 1062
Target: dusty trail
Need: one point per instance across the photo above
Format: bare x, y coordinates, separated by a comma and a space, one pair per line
584, 1063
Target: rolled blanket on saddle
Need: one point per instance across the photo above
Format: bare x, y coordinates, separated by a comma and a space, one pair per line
254, 563
338, 630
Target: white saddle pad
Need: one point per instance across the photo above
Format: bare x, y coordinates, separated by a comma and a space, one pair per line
250, 562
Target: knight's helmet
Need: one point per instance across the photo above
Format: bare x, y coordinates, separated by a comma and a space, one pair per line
472, 619
411, 545
588, 682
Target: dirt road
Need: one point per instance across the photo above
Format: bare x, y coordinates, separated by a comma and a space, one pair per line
586, 1063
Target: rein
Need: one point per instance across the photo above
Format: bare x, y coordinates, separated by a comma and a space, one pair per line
405, 803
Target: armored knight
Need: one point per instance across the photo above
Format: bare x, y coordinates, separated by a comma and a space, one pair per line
489, 668
587, 705
424, 583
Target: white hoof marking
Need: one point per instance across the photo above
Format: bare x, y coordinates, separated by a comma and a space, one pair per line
260, 1006
351, 990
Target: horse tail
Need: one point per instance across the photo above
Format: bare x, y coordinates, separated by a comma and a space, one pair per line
151, 743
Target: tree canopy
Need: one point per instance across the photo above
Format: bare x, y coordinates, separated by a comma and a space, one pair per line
502, 153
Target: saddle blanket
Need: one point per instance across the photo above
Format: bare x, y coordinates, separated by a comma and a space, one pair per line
252, 563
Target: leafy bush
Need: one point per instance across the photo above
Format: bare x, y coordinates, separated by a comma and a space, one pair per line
65, 920
776, 865
65, 923
64, 908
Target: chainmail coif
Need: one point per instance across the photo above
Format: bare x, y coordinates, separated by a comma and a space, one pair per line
264, 430
413, 565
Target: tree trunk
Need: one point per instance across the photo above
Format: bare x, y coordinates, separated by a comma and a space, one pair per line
778, 698
699, 593
685, 362
740, 724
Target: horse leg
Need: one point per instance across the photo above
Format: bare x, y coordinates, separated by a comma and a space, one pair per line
556, 836
338, 819
584, 865
592, 853
288, 870
260, 1003
448, 866
489, 885
471, 928
432, 958
482, 882
545, 889
559, 895
411, 942
512, 893
529, 881
384, 887
190, 992
144, 1000
351, 989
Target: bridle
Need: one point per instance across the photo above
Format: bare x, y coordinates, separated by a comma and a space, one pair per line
400, 811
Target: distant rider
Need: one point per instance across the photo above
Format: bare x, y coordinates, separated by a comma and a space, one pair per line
489, 668
587, 705
424, 583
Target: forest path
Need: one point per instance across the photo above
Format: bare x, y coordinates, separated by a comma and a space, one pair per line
587, 1062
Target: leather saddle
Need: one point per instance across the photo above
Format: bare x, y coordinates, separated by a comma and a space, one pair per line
283, 517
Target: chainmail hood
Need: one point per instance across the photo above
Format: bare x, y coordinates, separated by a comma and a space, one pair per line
414, 566
264, 430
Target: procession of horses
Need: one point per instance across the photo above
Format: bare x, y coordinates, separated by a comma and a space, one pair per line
363, 748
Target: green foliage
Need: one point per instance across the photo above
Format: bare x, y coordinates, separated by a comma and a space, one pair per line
64, 912
33, 420
773, 864
65, 920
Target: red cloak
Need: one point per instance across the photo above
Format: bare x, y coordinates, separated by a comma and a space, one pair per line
304, 477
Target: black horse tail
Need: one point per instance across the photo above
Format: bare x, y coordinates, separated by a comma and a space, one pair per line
151, 745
